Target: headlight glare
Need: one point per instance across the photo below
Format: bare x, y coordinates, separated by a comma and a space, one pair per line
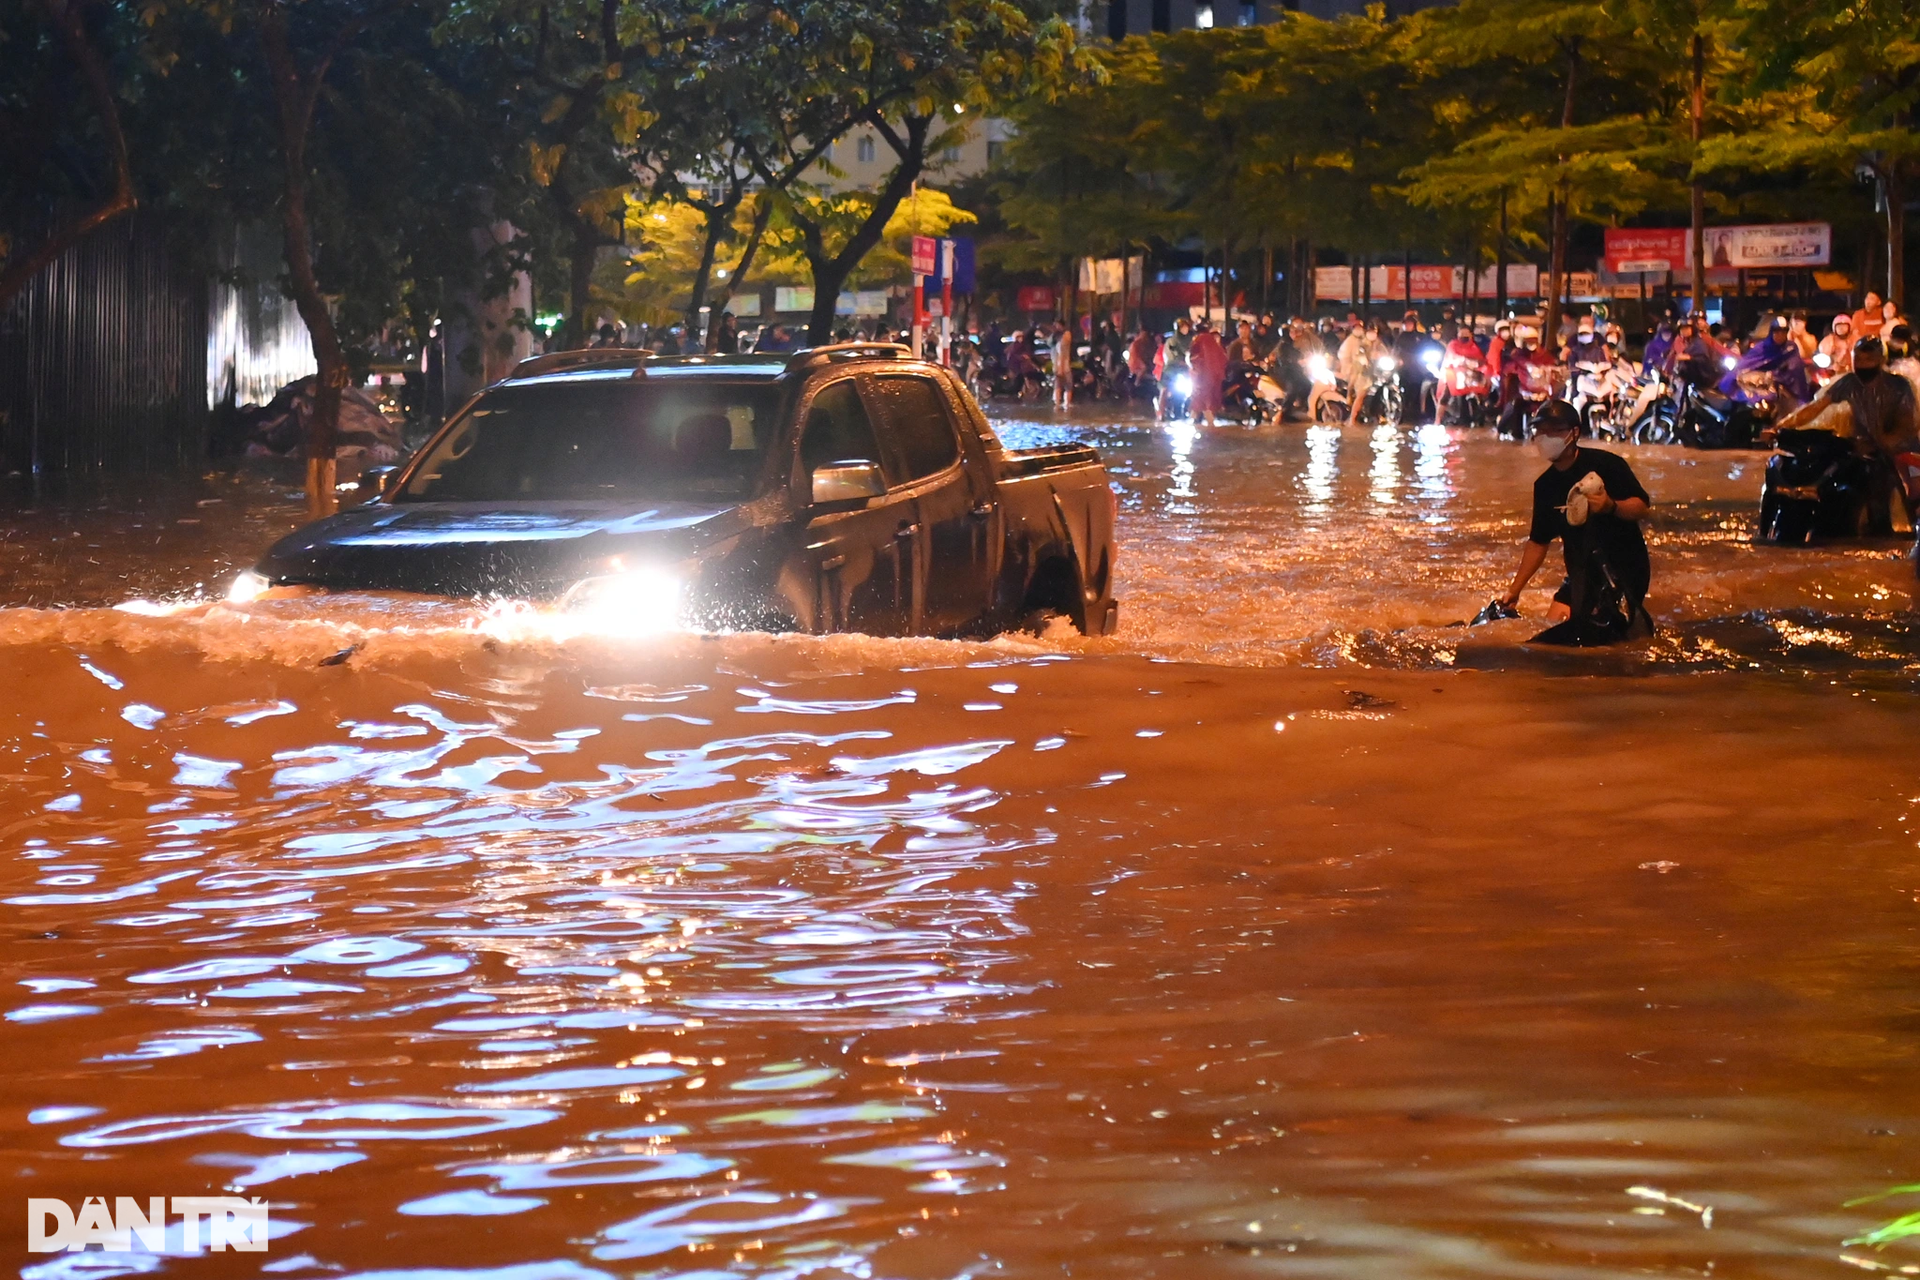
247, 588
633, 602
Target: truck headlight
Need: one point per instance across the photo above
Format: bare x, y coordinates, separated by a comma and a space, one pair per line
247, 588
633, 602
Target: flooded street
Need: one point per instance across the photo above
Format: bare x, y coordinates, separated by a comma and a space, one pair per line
1290, 931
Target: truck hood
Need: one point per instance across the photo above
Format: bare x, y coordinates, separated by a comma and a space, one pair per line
473, 549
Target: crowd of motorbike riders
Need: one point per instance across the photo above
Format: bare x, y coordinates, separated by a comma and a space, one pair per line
1845, 439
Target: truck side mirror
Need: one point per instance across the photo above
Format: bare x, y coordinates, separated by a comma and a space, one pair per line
376, 482
847, 481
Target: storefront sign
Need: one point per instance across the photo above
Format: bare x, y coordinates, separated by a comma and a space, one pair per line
1037, 297
1782, 244
1635, 249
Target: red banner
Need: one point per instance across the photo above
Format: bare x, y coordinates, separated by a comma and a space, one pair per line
926, 256
1175, 293
1634, 249
1036, 297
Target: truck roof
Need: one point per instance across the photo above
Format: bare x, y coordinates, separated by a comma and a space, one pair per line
614, 363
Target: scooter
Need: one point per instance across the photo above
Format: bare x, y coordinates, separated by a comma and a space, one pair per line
1817, 486
1328, 402
1596, 394
1711, 420
1386, 401
1240, 397
1467, 399
1175, 396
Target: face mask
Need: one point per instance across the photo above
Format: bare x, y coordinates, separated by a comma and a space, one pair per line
1551, 446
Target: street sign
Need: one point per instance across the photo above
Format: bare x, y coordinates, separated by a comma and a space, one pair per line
926, 256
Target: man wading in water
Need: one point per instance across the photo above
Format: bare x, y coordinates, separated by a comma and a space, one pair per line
1592, 502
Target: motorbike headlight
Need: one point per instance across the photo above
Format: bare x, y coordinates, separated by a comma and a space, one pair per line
1432, 360
1728, 362
633, 602
1384, 364
1183, 384
1318, 368
247, 588
1822, 360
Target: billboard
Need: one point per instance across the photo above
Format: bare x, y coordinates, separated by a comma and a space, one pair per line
1753, 248
1636, 249
787, 298
1425, 284
1780, 244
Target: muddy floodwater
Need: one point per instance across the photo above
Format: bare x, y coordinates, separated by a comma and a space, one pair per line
1291, 931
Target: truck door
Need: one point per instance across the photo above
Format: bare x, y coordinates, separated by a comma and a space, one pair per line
954, 521
861, 551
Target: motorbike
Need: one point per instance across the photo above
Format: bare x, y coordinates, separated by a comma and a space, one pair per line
1175, 396
1386, 399
1534, 385
1652, 416
1327, 402
1713, 420
1468, 395
1250, 395
1818, 486
1596, 394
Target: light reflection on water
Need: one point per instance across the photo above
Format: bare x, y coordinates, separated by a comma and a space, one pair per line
508, 950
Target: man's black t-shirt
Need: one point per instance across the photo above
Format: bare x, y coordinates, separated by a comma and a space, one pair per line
1618, 541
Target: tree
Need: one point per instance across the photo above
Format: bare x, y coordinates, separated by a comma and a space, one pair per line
1838, 86
1593, 148
35, 122
893, 67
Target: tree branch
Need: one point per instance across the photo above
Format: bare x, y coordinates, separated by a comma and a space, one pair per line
93, 70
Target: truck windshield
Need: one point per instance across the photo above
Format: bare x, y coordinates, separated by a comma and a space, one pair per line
654, 440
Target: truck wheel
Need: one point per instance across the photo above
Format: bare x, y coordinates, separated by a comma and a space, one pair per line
1054, 592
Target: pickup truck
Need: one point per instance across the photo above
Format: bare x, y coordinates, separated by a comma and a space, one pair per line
844, 488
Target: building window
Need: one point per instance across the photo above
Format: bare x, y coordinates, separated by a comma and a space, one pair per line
950, 156
1249, 13
1163, 15
1117, 19
995, 149
864, 150
1203, 16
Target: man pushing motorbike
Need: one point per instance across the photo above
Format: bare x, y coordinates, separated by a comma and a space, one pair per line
1592, 502
1885, 420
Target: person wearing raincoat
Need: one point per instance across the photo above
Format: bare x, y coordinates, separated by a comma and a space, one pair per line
1207, 361
1778, 355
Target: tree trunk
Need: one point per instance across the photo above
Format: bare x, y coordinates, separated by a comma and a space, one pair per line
1698, 194
719, 225
831, 272
1500, 263
295, 95
582, 248
1896, 189
762, 214
93, 70
1558, 262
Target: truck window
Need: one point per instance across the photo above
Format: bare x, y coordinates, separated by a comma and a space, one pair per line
922, 433
837, 428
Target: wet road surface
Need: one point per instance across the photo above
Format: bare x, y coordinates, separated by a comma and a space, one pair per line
1288, 932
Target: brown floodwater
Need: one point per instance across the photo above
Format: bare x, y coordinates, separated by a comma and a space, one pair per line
1291, 931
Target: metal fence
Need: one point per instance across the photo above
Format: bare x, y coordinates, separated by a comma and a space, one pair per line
103, 360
